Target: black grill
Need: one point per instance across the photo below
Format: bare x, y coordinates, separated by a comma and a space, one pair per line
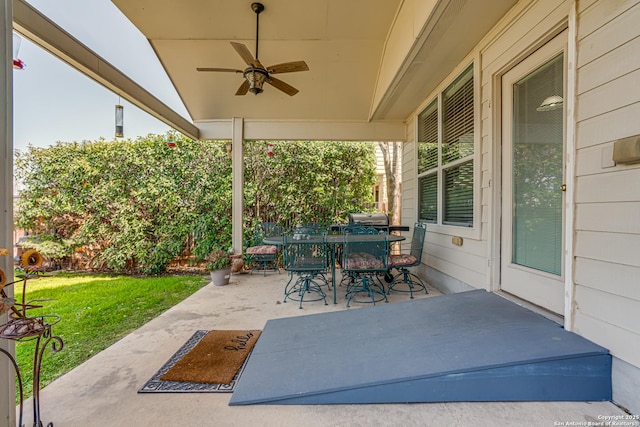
377, 219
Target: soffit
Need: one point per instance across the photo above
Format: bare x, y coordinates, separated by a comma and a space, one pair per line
451, 33
343, 42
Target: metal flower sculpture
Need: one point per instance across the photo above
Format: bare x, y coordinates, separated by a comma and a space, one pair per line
22, 325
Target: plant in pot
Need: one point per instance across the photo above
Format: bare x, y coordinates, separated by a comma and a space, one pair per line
219, 265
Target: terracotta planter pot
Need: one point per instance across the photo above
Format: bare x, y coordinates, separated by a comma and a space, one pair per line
237, 263
221, 277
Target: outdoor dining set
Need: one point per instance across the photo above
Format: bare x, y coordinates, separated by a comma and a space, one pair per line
371, 258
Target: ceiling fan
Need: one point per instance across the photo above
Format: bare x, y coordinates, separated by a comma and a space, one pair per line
256, 74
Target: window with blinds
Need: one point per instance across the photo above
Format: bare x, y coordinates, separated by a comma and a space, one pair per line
428, 197
458, 195
457, 118
445, 154
428, 138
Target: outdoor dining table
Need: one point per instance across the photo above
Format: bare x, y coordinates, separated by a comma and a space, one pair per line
335, 240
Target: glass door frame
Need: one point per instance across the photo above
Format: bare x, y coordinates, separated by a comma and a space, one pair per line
534, 61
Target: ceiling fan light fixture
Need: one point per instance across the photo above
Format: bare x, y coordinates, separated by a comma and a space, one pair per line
256, 78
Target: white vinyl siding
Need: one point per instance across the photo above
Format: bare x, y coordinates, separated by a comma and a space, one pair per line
409, 180
607, 242
606, 199
606, 227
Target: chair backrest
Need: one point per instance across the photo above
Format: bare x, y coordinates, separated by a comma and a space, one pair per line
359, 229
368, 256
308, 230
305, 252
266, 229
351, 228
417, 241
317, 228
269, 229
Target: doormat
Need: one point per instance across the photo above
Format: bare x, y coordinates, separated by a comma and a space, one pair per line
209, 362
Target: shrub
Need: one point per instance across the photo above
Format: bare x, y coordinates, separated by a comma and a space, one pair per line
135, 206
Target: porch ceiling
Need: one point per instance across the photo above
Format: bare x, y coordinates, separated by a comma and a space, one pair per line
341, 41
369, 59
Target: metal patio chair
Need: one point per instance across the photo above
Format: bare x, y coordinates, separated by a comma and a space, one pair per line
306, 259
364, 258
264, 256
409, 282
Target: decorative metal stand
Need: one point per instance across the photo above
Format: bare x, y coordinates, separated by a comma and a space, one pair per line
21, 327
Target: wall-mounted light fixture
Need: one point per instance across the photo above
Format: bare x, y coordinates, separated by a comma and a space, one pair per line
551, 103
627, 150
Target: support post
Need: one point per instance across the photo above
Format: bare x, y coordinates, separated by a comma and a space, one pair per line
237, 140
570, 172
7, 376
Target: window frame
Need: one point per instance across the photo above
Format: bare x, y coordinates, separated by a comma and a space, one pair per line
439, 226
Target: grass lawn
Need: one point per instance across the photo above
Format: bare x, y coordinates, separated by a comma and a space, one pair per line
95, 312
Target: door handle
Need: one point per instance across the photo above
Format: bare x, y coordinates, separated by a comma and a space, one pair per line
563, 187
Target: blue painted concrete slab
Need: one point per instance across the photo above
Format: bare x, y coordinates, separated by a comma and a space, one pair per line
471, 346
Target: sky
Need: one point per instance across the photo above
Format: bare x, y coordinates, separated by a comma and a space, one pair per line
54, 102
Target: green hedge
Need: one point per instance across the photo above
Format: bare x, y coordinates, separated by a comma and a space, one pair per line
136, 205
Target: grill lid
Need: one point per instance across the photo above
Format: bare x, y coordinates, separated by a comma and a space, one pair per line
369, 219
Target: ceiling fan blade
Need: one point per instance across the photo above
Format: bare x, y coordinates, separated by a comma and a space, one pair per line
244, 52
285, 87
229, 70
243, 89
288, 67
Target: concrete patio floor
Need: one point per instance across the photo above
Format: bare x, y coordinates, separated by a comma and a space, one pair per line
103, 390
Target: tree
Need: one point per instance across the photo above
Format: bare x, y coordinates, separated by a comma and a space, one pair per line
392, 167
307, 181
